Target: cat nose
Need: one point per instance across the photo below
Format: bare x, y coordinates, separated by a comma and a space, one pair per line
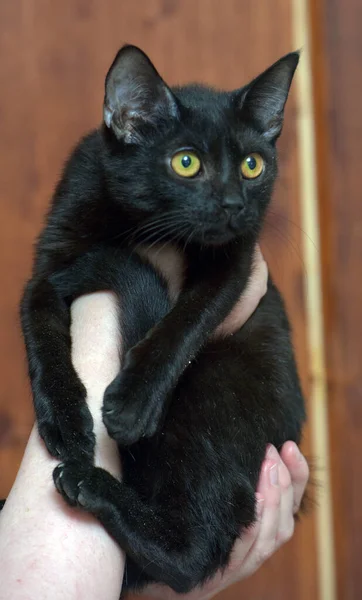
232, 204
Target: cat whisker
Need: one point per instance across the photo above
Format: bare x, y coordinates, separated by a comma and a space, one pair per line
133, 231
188, 240
173, 239
171, 218
162, 237
119, 235
159, 218
285, 218
282, 236
160, 232
161, 226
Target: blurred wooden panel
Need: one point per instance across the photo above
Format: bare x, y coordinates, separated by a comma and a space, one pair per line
338, 87
54, 58
19, 182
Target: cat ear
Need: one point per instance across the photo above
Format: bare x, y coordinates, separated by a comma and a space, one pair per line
135, 95
263, 100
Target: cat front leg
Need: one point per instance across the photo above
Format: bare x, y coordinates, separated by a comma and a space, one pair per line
136, 401
63, 418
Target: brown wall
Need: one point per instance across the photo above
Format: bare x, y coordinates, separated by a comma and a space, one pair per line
53, 57
337, 48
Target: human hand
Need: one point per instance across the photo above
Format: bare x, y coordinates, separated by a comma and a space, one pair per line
281, 486
250, 298
167, 261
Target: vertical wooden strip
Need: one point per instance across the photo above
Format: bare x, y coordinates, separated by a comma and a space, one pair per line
313, 288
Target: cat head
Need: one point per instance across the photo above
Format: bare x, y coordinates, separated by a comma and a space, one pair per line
192, 164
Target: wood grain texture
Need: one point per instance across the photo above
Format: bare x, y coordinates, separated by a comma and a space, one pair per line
54, 58
338, 86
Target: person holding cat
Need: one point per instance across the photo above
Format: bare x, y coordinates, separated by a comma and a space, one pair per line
48, 550
207, 386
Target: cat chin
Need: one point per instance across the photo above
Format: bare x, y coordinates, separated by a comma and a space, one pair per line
215, 239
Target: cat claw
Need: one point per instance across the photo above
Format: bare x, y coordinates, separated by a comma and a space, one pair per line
69, 438
68, 478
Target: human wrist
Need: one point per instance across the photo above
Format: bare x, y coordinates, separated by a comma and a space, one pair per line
96, 357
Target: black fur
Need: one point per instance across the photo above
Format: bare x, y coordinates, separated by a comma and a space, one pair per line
192, 416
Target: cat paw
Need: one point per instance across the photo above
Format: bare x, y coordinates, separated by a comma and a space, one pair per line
70, 481
131, 409
83, 485
69, 435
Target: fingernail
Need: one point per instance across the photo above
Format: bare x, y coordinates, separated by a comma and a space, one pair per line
274, 475
272, 452
297, 453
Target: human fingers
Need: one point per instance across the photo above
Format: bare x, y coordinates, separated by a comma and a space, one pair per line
286, 516
298, 469
247, 540
269, 490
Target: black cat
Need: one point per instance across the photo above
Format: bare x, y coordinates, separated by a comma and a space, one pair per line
192, 167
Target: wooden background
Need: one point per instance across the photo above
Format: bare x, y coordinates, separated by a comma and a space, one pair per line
53, 58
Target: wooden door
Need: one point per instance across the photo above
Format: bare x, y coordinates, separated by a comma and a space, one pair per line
53, 58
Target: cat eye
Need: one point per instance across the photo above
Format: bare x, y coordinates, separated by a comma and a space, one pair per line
186, 163
252, 166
